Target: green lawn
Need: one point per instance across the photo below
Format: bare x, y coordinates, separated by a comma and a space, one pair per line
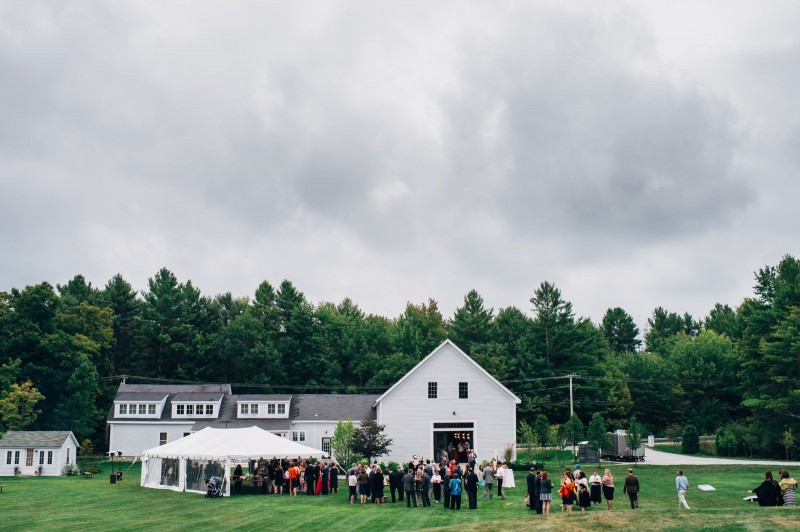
71, 503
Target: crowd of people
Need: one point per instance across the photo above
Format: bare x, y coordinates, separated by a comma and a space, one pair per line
576, 489
446, 482
426, 483
291, 477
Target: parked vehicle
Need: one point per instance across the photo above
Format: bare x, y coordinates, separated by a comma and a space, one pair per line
617, 452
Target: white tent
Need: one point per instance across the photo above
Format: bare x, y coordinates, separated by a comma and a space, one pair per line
184, 464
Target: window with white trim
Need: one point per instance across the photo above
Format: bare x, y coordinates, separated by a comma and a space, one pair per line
50, 457
209, 410
298, 435
8, 457
189, 410
271, 408
281, 409
123, 409
151, 410
162, 438
326, 446
41, 457
463, 390
142, 410
16, 457
254, 408
180, 410
433, 390
244, 408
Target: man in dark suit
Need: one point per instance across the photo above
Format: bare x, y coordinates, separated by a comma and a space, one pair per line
394, 485
424, 488
631, 487
471, 485
531, 482
311, 479
409, 486
429, 471
537, 492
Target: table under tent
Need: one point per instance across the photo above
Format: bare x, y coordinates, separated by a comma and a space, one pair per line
186, 464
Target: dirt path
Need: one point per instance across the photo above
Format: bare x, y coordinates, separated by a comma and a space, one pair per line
653, 457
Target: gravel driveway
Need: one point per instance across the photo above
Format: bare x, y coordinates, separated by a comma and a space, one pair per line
653, 457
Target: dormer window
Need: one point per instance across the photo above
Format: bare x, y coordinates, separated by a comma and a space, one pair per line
262, 409
137, 410
193, 410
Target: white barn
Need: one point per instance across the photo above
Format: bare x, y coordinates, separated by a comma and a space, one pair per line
25, 452
446, 397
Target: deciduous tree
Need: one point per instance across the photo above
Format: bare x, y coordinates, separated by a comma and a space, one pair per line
18, 406
343, 442
369, 440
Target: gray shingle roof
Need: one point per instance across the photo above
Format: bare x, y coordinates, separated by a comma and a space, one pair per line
313, 407
264, 397
140, 396
266, 424
196, 396
175, 388
179, 392
302, 407
18, 439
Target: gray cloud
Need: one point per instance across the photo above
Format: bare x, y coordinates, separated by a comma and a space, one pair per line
383, 151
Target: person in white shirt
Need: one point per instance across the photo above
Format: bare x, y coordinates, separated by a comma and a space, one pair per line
595, 490
499, 481
352, 482
436, 481
682, 486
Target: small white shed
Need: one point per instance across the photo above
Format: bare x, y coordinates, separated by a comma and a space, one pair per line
34, 452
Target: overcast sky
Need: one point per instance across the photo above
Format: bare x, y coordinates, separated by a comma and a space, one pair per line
636, 154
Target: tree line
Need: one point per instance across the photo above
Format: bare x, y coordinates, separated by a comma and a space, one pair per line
735, 371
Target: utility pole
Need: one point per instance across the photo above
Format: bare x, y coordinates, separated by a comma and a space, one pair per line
571, 409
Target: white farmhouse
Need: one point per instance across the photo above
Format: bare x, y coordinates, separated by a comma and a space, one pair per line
147, 415
25, 452
445, 398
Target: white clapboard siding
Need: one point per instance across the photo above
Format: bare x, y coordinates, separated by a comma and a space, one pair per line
132, 438
409, 415
315, 431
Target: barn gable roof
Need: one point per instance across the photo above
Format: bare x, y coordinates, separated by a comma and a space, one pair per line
434, 353
18, 439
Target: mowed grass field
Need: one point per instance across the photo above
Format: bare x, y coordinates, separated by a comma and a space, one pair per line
75, 503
